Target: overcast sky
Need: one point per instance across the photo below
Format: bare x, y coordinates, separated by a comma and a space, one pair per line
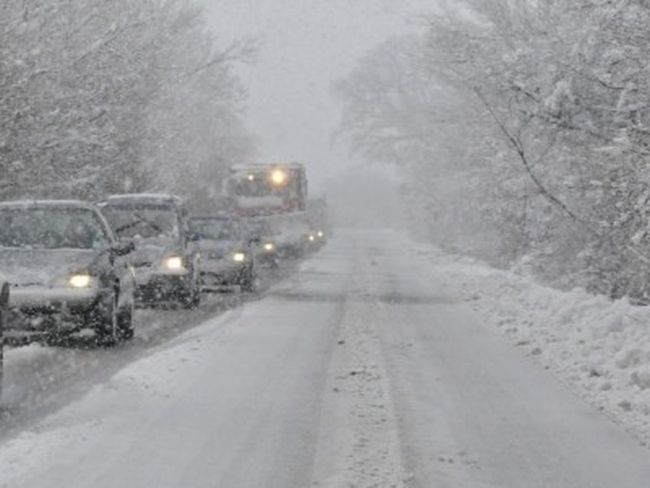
305, 45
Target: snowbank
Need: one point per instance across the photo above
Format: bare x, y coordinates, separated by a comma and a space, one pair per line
599, 348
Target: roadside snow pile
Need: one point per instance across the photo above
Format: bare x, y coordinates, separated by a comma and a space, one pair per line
600, 348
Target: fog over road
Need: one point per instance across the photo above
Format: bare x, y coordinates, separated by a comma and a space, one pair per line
304, 48
361, 369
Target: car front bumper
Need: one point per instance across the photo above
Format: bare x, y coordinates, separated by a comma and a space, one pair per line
223, 272
156, 287
51, 300
42, 310
267, 257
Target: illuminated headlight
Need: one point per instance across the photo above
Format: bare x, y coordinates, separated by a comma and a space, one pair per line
81, 280
311, 237
320, 233
174, 263
239, 257
269, 247
279, 177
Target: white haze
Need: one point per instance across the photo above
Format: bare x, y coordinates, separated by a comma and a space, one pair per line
305, 46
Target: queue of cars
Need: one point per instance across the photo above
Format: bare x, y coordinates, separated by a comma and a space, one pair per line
80, 268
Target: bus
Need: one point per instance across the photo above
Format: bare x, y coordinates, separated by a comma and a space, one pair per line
256, 190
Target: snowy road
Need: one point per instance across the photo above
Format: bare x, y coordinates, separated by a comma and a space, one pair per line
360, 370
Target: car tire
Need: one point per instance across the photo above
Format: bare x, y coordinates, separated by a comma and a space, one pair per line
108, 322
125, 323
248, 281
192, 297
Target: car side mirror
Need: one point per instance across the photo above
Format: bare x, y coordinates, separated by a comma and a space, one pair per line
123, 249
4, 296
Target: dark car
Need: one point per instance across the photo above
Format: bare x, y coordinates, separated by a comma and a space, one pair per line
166, 258
67, 271
227, 256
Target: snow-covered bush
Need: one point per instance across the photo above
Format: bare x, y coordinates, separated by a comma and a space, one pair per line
524, 130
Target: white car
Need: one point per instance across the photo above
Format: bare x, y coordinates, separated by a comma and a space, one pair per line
67, 272
166, 258
227, 257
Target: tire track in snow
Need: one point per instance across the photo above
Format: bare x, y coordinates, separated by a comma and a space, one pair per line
359, 441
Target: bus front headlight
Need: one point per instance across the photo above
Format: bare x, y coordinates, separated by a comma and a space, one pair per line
279, 177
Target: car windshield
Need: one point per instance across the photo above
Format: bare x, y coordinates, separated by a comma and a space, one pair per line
51, 228
259, 186
217, 229
142, 221
257, 229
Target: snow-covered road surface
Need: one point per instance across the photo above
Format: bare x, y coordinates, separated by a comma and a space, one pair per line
40, 379
361, 370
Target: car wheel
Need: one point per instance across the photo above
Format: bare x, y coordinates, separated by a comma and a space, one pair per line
248, 282
107, 328
125, 323
192, 297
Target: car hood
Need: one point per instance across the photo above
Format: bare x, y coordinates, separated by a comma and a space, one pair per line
44, 267
150, 254
219, 248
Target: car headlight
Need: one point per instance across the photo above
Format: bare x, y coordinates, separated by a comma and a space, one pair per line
311, 238
80, 280
269, 247
239, 257
174, 263
320, 233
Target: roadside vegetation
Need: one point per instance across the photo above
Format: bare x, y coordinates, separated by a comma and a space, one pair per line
104, 97
522, 132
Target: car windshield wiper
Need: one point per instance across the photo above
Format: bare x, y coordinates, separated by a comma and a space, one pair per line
140, 220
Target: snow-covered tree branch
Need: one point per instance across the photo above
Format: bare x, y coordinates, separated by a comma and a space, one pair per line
548, 162
99, 97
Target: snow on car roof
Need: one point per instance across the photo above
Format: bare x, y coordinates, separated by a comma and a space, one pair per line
144, 197
47, 203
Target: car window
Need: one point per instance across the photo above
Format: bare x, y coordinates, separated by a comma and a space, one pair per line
52, 228
142, 221
217, 229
